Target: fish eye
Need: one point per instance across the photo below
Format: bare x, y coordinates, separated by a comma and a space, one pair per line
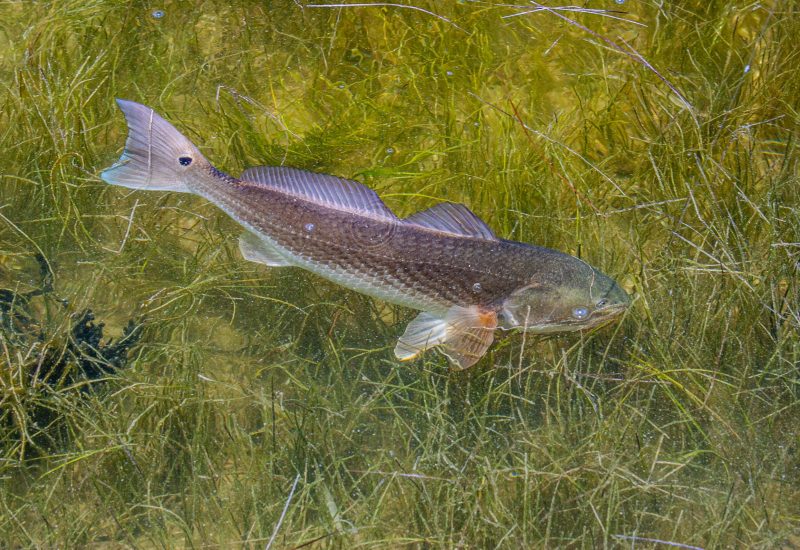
580, 313
185, 161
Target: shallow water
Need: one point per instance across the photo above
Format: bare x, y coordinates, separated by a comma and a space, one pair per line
257, 405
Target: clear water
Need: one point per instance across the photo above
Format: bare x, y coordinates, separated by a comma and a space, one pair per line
265, 406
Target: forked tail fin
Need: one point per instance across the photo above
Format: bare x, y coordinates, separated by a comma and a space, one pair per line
157, 157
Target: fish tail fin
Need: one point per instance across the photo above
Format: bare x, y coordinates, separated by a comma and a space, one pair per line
157, 157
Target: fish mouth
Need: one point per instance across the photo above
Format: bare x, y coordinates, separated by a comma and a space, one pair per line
603, 316
598, 318
611, 311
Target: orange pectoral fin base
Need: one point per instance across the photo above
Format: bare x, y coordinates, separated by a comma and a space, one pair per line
470, 332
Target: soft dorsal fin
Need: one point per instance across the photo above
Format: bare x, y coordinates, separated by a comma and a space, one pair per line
452, 218
323, 189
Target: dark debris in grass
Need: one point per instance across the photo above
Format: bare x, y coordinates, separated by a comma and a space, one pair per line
51, 366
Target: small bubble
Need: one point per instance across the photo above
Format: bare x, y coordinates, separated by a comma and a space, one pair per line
389, 150
449, 73
477, 287
746, 69
158, 14
309, 227
476, 124
619, 1
340, 86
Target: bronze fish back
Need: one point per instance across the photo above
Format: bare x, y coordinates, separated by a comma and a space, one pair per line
425, 268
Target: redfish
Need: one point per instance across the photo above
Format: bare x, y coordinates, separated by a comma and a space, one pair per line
444, 261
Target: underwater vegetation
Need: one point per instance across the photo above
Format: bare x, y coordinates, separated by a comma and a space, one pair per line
265, 408
41, 369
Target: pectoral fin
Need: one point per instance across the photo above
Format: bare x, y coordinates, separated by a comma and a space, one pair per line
464, 334
470, 332
257, 250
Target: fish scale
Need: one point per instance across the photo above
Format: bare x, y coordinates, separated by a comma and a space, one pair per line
276, 215
331, 247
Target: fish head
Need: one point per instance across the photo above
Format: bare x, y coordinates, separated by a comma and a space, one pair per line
575, 297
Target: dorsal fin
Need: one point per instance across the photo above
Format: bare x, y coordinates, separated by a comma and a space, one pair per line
323, 189
452, 218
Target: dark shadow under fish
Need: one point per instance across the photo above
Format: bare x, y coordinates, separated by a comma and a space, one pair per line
443, 261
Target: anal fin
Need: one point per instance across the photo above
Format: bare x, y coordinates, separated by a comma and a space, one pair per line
257, 250
464, 334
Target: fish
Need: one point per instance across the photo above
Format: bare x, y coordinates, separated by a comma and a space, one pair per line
444, 261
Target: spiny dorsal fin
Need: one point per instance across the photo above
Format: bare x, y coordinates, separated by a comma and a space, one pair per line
452, 218
323, 189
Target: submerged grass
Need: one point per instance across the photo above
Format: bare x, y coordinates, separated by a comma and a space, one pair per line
266, 407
